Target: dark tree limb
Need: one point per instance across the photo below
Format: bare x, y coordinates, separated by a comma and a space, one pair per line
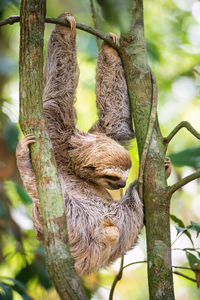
183, 124
14, 19
185, 276
173, 188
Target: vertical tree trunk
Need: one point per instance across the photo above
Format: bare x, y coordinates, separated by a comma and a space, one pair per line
59, 259
156, 199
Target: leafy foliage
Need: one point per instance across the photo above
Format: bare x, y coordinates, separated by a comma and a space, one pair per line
189, 157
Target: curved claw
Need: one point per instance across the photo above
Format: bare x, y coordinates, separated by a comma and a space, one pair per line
68, 17
114, 37
72, 22
28, 139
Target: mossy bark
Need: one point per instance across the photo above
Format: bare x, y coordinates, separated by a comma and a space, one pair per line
59, 260
156, 198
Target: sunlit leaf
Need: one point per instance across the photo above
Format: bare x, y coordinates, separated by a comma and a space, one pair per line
177, 221
189, 157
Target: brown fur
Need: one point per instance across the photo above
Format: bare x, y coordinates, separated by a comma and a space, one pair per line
100, 229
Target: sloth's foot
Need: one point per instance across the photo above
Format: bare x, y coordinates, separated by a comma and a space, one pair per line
114, 37
168, 167
110, 231
22, 147
68, 16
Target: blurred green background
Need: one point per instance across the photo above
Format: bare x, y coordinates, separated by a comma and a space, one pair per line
172, 31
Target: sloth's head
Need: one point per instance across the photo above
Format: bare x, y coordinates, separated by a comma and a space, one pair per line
97, 158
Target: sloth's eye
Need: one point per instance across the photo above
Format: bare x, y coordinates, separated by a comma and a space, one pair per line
112, 177
91, 168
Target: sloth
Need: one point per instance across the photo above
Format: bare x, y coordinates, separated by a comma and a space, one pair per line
100, 229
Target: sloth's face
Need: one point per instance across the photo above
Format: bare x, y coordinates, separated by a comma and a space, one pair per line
101, 160
112, 179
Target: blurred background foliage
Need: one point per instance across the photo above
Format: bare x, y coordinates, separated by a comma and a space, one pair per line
172, 31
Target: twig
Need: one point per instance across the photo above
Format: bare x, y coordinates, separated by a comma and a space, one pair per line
134, 263
177, 238
117, 278
185, 124
173, 188
152, 120
185, 268
186, 249
14, 19
187, 277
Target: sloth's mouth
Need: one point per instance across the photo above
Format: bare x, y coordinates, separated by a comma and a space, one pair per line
116, 185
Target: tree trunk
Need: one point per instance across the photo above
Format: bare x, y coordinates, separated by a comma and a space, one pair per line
59, 259
156, 199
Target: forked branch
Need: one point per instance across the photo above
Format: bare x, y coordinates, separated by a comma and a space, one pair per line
185, 124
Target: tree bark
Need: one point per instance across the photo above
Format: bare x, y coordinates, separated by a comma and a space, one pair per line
155, 195
59, 260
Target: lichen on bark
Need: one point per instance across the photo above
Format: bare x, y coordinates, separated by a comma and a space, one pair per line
58, 257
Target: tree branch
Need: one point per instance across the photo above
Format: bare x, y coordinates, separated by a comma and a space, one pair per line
14, 19
185, 124
173, 188
185, 268
135, 263
187, 277
117, 278
11, 20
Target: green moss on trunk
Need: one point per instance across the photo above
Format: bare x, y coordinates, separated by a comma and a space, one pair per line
156, 200
59, 260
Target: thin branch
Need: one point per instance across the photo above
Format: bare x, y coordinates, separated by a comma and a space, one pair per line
152, 120
187, 277
185, 268
177, 238
10, 20
173, 188
134, 263
185, 124
14, 19
186, 249
117, 278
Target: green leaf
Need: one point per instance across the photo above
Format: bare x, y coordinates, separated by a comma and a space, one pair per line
193, 260
25, 198
181, 227
6, 293
177, 221
195, 226
189, 157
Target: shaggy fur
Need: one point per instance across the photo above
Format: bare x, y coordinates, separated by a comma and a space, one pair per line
100, 229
